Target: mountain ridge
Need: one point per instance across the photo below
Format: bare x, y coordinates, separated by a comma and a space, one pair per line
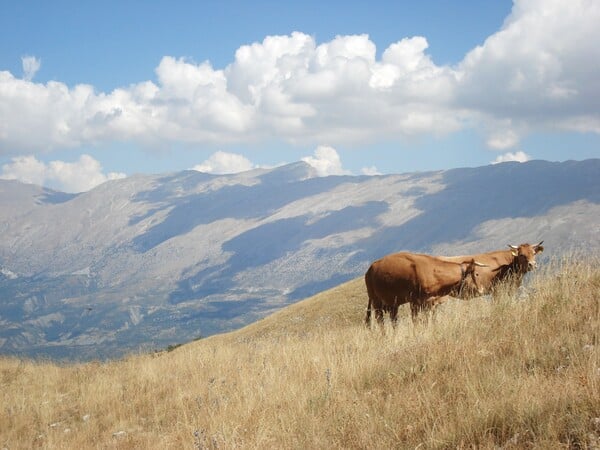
152, 260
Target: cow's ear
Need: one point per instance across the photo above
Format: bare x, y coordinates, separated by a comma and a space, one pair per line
538, 249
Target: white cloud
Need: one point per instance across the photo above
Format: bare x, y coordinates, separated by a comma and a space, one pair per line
286, 87
518, 156
30, 67
326, 161
26, 169
502, 139
223, 162
370, 171
79, 176
539, 71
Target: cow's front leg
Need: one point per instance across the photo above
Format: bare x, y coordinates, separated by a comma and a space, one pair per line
415, 309
431, 304
394, 315
379, 316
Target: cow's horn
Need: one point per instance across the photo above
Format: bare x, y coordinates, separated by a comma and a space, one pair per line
541, 242
478, 264
514, 247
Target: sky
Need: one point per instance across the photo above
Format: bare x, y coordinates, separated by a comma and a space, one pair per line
93, 91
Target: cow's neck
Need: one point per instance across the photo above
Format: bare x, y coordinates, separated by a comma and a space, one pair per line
510, 269
455, 288
463, 276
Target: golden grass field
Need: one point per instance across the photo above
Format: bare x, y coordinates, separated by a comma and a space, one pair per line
510, 373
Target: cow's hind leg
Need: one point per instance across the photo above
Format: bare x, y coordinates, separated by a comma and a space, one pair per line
368, 317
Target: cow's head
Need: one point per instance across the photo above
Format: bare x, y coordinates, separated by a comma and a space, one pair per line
524, 255
470, 284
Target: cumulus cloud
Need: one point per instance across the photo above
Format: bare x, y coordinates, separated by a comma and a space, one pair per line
370, 171
539, 71
78, 176
26, 169
518, 156
502, 139
223, 163
30, 67
286, 87
326, 161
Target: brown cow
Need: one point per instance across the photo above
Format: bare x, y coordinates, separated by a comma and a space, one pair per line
511, 264
416, 279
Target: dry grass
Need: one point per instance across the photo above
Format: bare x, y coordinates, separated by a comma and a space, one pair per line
510, 373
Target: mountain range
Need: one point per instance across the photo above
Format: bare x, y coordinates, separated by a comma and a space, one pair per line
153, 260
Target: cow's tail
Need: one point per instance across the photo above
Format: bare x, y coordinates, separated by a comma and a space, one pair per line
370, 294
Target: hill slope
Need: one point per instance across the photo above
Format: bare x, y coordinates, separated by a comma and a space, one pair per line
512, 373
157, 260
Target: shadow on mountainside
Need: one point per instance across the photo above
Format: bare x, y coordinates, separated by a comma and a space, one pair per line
54, 197
267, 243
470, 197
229, 202
474, 196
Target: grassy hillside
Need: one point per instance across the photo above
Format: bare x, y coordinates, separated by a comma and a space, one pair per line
515, 372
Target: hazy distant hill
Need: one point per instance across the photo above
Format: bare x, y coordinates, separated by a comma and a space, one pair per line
155, 260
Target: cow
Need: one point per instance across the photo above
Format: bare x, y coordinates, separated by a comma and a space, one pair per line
416, 279
511, 264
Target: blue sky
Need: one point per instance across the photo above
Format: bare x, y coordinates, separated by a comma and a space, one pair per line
96, 90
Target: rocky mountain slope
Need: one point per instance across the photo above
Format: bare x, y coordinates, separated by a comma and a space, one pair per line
149, 261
